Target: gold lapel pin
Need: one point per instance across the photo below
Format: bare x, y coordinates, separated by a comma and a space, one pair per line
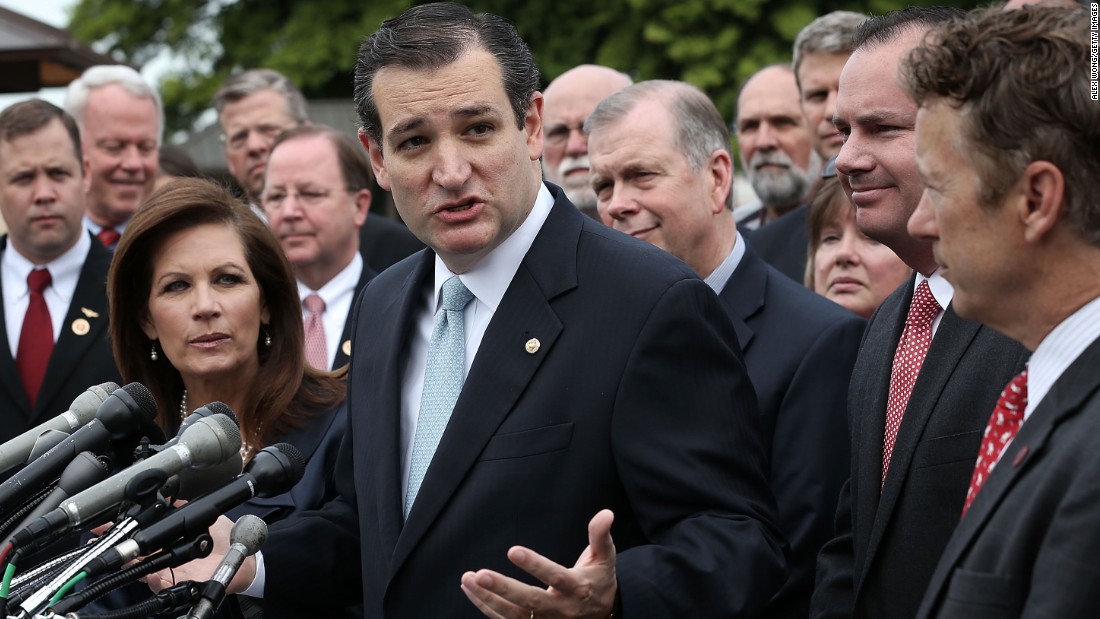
81, 326
532, 346
89, 313
346, 347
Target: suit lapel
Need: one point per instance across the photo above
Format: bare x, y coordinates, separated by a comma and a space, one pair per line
1064, 400
343, 353
382, 426
84, 325
869, 390
9, 375
502, 368
744, 294
950, 342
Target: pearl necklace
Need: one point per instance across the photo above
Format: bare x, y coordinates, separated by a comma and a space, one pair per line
246, 448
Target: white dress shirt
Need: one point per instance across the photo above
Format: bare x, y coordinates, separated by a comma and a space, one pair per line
64, 275
941, 290
1058, 350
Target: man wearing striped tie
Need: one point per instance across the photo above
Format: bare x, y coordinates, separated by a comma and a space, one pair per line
1006, 149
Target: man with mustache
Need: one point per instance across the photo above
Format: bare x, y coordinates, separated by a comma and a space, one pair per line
569, 100
778, 157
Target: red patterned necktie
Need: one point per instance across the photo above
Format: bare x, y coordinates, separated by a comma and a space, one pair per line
1003, 425
36, 337
916, 337
316, 349
108, 236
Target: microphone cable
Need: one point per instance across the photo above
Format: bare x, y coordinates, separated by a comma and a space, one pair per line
171, 600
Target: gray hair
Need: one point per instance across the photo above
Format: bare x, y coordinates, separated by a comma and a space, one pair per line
252, 81
832, 33
76, 98
699, 129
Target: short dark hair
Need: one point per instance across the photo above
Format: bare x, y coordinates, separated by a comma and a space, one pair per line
883, 29
174, 161
287, 391
354, 163
430, 36
1021, 82
29, 116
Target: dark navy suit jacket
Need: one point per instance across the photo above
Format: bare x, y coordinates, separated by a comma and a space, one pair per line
80, 358
633, 399
799, 349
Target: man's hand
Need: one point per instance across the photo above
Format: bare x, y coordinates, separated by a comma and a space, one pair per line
586, 590
200, 570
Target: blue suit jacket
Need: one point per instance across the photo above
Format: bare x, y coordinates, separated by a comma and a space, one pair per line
799, 349
635, 400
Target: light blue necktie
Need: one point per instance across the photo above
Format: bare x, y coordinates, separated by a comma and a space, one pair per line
442, 382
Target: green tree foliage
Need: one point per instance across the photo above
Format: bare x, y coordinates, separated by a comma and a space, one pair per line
714, 44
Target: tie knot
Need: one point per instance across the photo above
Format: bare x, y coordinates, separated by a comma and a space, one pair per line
38, 280
924, 306
108, 236
456, 296
315, 304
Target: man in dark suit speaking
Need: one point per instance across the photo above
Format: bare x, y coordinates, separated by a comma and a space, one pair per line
1011, 210
534, 391
662, 169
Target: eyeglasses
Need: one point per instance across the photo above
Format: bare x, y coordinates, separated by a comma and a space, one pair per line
559, 134
306, 198
239, 139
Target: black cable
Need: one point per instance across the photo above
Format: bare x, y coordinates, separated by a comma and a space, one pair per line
173, 599
179, 554
17, 516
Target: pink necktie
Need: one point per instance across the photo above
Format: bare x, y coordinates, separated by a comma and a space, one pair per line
36, 337
316, 350
912, 348
1003, 424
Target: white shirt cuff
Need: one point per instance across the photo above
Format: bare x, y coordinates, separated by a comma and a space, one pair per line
256, 589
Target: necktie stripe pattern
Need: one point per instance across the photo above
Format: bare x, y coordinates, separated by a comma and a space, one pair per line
36, 336
316, 346
908, 359
442, 382
1003, 425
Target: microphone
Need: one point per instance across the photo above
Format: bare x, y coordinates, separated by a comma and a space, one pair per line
119, 417
84, 471
273, 470
191, 483
81, 411
209, 441
248, 534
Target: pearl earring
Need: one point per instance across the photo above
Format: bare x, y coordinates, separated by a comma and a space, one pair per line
153, 353
267, 337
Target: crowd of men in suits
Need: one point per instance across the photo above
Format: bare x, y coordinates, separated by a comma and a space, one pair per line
550, 418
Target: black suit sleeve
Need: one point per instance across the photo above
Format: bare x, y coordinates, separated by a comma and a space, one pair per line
811, 456
833, 596
686, 442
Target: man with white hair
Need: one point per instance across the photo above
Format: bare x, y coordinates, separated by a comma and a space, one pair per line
778, 157
569, 100
121, 120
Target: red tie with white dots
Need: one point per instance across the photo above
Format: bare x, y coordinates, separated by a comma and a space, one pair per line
1003, 425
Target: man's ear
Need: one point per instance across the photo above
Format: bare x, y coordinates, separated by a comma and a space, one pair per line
532, 126
362, 206
1043, 190
377, 163
719, 170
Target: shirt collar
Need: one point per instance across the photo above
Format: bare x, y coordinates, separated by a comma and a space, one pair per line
64, 270
346, 279
941, 289
720, 276
490, 277
1059, 349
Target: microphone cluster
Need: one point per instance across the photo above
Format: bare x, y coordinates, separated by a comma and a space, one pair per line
105, 461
